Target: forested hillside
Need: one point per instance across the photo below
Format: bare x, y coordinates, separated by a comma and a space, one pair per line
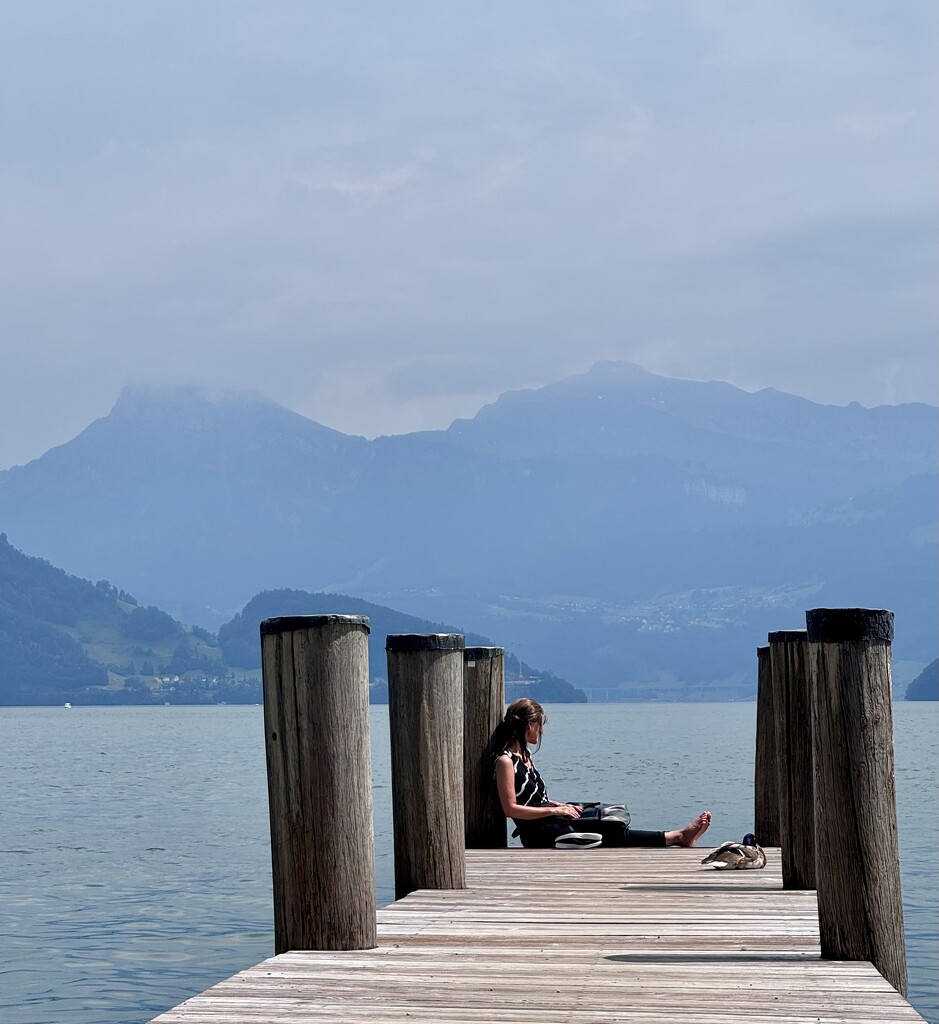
240, 645
63, 638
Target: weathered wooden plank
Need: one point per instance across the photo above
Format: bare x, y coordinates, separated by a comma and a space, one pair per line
660, 869
245, 1011
585, 947
336, 1011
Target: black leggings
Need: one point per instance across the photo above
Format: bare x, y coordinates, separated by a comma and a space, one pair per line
542, 832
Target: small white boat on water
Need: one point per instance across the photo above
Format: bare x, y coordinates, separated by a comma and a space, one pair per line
67, 704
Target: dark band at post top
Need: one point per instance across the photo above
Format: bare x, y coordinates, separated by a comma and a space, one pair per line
424, 642
481, 653
784, 636
845, 625
290, 623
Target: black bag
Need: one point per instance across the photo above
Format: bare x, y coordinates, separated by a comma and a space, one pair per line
595, 811
545, 831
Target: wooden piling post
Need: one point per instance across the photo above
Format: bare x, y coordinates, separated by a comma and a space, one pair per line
319, 772
425, 710
792, 713
765, 775
483, 708
860, 908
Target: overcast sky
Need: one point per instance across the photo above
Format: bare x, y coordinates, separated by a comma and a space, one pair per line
384, 214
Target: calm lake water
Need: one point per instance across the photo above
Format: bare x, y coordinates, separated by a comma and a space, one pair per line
134, 846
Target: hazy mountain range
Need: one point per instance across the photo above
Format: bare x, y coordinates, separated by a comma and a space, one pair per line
628, 529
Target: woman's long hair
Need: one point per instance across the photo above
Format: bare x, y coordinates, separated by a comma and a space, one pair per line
518, 716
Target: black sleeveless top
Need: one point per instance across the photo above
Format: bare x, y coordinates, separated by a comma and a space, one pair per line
530, 789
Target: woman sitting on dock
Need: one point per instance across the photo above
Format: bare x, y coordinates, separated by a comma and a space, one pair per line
541, 821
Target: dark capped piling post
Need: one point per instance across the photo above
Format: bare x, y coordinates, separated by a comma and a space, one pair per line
765, 775
319, 774
792, 713
860, 908
425, 711
483, 708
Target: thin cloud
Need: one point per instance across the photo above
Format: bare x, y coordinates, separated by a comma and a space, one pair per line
331, 204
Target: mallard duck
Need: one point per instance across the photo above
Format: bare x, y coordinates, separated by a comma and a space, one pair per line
748, 854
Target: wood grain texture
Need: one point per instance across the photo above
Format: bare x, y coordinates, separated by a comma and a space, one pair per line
765, 773
549, 937
483, 708
319, 786
792, 706
859, 899
425, 712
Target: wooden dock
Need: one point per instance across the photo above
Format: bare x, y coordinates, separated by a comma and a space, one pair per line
545, 937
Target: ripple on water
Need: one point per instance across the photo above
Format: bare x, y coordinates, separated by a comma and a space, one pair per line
149, 880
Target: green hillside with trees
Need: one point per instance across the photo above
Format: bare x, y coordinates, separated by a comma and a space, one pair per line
65, 639
240, 645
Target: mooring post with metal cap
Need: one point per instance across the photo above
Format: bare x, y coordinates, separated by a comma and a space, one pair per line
425, 711
765, 773
792, 713
483, 709
860, 906
319, 775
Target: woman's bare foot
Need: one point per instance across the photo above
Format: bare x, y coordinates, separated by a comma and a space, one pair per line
691, 833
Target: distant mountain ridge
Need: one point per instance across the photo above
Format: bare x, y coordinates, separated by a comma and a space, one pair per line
665, 411
645, 531
240, 647
926, 685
